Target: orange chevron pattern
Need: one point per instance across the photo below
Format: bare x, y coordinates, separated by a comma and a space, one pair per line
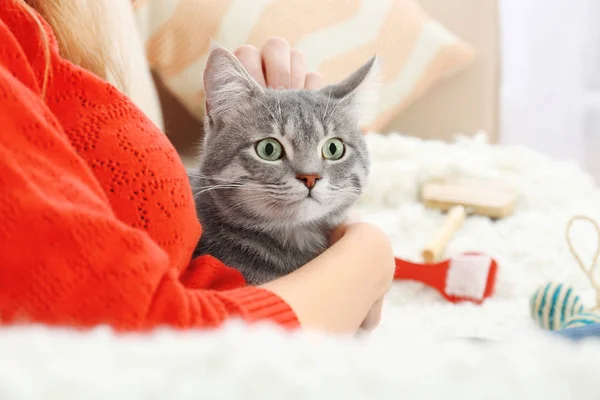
186, 37
283, 17
398, 23
337, 36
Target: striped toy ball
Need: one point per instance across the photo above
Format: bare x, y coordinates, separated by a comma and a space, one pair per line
582, 319
553, 304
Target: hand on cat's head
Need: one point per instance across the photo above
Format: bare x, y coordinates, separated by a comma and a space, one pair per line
295, 156
278, 66
231, 79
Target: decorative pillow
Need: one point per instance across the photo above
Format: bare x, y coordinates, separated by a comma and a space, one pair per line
337, 36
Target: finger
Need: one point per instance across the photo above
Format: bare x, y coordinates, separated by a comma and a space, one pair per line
314, 81
276, 59
297, 69
249, 57
373, 318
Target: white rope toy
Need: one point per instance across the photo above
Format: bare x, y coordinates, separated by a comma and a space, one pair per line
556, 306
591, 271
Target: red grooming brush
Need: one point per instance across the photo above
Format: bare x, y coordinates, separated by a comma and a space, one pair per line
466, 277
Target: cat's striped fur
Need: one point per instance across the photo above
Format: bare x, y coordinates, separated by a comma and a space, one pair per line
257, 216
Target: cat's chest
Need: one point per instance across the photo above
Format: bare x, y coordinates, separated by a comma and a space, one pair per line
305, 240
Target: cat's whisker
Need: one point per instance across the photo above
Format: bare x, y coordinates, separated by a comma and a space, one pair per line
212, 182
342, 100
198, 193
217, 179
250, 184
263, 104
271, 207
270, 196
333, 113
211, 187
277, 199
346, 190
277, 96
201, 175
265, 200
257, 190
327, 104
219, 186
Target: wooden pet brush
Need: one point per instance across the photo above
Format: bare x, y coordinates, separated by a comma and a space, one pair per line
459, 198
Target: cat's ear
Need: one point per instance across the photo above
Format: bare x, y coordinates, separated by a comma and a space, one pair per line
227, 85
359, 91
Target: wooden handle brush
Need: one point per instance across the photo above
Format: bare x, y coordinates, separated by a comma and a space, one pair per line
479, 197
461, 198
436, 245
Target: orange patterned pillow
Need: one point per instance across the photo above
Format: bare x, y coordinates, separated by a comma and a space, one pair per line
337, 37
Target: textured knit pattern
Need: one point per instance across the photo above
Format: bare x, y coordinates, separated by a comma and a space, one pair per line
98, 220
337, 37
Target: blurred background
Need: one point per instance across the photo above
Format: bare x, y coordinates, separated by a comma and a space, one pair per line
526, 72
550, 86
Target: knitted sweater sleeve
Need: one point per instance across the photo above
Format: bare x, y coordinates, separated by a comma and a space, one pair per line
66, 258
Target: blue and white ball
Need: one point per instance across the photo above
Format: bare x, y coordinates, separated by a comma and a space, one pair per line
553, 304
582, 319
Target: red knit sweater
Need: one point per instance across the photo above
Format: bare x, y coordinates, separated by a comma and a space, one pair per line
97, 220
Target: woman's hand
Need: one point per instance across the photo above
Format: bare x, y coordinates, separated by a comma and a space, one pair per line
341, 289
373, 317
278, 66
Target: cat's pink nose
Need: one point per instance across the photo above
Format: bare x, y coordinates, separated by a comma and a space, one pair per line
310, 180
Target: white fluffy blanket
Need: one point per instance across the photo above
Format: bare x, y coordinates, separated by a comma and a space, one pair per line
413, 355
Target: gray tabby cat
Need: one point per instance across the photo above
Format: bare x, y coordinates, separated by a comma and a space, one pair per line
279, 169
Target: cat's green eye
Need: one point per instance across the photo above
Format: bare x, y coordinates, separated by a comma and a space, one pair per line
269, 149
333, 149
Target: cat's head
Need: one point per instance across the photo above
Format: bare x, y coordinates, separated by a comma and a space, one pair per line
291, 156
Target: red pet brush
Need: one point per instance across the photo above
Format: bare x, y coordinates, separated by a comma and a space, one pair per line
467, 277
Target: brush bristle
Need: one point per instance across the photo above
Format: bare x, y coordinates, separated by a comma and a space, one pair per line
469, 276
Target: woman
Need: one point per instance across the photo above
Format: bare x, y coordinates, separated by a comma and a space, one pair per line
98, 221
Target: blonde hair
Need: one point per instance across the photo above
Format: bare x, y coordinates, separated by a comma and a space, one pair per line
82, 39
